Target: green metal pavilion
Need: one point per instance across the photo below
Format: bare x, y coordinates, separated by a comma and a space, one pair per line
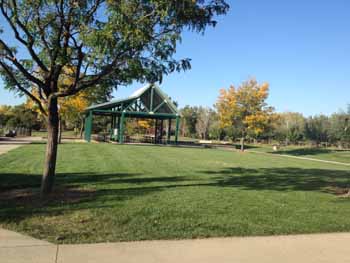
148, 102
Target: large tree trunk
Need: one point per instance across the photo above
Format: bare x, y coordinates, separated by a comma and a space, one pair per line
81, 129
242, 144
51, 149
59, 130
242, 140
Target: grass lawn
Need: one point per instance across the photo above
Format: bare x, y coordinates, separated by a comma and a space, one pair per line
330, 154
124, 192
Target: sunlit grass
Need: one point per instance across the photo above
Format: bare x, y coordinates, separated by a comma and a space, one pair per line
124, 192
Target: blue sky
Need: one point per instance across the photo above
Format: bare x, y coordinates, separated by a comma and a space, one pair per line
302, 48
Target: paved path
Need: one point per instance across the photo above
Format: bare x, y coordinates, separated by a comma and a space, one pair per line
18, 140
17, 248
4, 148
301, 158
320, 248
8, 144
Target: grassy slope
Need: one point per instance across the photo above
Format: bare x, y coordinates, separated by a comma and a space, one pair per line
329, 154
145, 192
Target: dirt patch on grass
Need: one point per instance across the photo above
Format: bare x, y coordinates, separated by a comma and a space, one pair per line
31, 196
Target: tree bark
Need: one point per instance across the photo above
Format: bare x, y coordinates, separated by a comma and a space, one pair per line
51, 148
81, 129
242, 140
242, 144
59, 131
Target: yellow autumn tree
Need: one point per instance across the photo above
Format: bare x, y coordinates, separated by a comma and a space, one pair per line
31, 105
245, 108
145, 124
71, 108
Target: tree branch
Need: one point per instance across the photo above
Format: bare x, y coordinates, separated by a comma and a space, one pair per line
11, 75
42, 32
19, 66
93, 10
28, 44
57, 45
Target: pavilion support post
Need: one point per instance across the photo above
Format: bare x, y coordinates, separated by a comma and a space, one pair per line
112, 127
156, 131
115, 126
169, 131
161, 131
121, 128
177, 129
88, 126
118, 123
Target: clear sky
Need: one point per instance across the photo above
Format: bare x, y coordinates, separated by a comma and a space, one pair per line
301, 47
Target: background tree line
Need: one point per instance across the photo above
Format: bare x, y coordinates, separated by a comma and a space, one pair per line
19, 116
242, 113
27, 115
289, 127
239, 113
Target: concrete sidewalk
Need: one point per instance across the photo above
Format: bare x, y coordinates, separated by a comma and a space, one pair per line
8, 144
318, 248
300, 158
19, 140
17, 248
4, 148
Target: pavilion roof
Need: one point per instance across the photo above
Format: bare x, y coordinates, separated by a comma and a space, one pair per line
148, 99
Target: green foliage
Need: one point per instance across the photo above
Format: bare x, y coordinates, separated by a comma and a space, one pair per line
287, 127
317, 129
189, 116
5, 113
93, 43
19, 116
203, 122
200, 122
340, 128
103, 42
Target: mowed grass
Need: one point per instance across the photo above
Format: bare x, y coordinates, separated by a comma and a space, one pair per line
150, 192
328, 154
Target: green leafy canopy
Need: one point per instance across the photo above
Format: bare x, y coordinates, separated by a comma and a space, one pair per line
100, 41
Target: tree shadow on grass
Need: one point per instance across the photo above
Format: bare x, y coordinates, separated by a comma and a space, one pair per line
78, 191
306, 151
21, 180
282, 179
28, 203
13, 181
20, 195
277, 179
238, 146
18, 189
